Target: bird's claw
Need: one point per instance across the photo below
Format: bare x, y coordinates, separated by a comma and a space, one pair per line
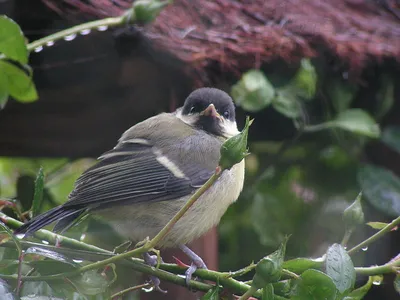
156, 284
197, 263
153, 261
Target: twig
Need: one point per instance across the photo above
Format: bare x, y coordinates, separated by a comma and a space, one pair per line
130, 289
250, 292
376, 236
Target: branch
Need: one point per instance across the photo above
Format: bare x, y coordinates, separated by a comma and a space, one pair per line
376, 236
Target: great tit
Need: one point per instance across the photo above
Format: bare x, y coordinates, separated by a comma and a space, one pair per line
157, 165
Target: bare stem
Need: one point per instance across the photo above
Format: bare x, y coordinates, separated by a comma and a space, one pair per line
130, 289
376, 236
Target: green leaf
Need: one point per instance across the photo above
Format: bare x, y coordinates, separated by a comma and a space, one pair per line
12, 40
145, 11
314, 285
39, 289
354, 215
340, 268
12, 237
286, 103
391, 137
381, 188
299, 265
90, 283
359, 293
234, 150
268, 292
377, 225
3, 90
357, 121
212, 294
20, 84
49, 267
283, 288
341, 93
305, 79
396, 284
253, 91
38, 195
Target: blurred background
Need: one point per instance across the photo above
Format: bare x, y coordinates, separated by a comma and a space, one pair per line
320, 78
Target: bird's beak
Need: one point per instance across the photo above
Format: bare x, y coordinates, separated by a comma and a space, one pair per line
210, 111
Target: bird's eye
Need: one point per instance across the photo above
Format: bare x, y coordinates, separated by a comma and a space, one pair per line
191, 111
226, 114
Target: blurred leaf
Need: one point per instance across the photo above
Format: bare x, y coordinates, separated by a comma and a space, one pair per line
381, 188
12, 40
335, 157
49, 267
314, 285
306, 79
268, 292
391, 137
282, 288
55, 256
3, 90
90, 283
9, 266
341, 93
354, 215
286, 103
37, 289
20, 84
38, 195
6, 292
253, 91
357, 121
145, 11
12, 236
377, 225
35, 297
396, 283
359, 293
340, 268
212, 294
385, 95
299, 265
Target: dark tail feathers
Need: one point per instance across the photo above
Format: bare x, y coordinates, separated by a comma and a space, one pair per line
63, 215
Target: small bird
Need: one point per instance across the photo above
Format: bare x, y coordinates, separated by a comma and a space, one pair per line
157, 165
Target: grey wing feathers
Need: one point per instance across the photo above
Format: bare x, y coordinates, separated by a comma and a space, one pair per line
131, 173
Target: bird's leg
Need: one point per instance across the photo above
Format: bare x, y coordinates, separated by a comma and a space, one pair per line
153, 260
197, 262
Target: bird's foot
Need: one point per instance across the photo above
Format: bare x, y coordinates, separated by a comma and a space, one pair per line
154, 261
197, 263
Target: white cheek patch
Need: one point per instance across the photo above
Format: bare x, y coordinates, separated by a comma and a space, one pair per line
229, 128
170, 165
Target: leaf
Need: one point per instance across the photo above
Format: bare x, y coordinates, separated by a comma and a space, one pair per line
396, 284
38, 195
305, 79
341, 93
39, 289
340, 268
286, 103
5, 291
90, 283
353, 215
20, 84
12, 40
377, 225
268, 292
12, 237
212, 294
381, 188
359, 293
357, 121
391, 137
253, 91
283, 287
3, 90
314, 285
299, 265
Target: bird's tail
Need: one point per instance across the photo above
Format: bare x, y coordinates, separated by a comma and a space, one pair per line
64, 216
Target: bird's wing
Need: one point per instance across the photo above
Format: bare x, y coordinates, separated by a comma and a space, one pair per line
137, 171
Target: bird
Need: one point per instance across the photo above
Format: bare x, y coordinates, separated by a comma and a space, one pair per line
156, 166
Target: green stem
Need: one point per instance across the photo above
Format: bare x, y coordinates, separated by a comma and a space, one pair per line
376, 236
390, 267
130, 289
249, 293
163, 232
52, 237
346, 236
317, 127
109, 22
290, 274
